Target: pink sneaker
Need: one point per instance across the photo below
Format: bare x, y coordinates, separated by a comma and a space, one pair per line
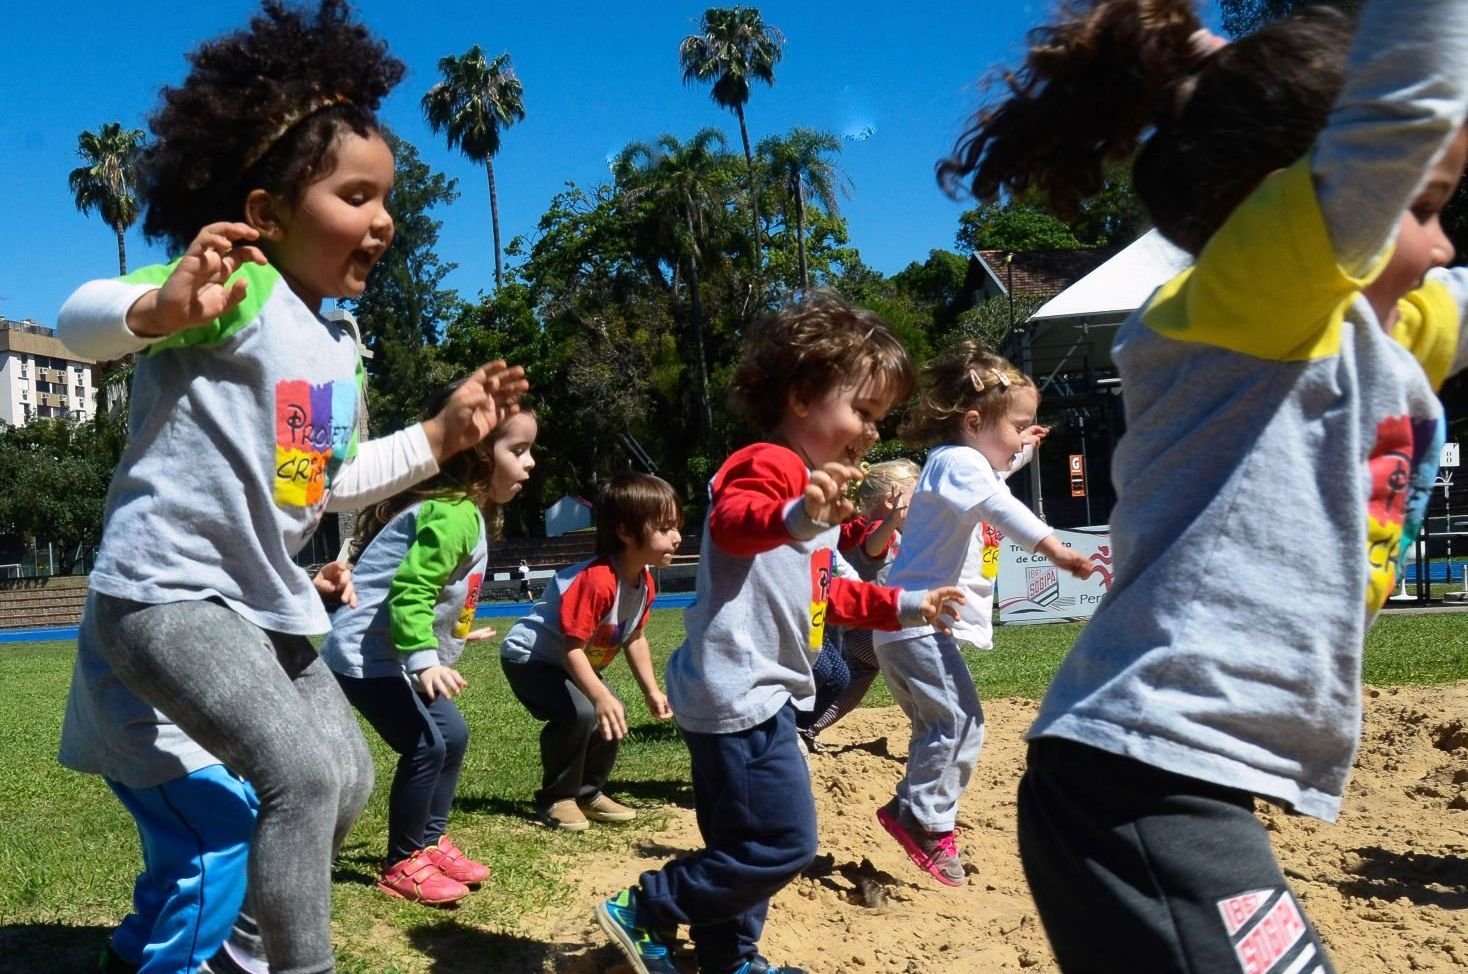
452, 862
934, 852
416, 878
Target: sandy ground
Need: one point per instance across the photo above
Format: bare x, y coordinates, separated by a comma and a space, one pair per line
1386, 885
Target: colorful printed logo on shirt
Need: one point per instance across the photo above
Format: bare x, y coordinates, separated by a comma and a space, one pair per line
1401, 466
991, 538
313, 431
471, 602
822, 563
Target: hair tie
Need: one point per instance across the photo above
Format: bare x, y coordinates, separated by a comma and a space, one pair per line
291, 120
1204, 42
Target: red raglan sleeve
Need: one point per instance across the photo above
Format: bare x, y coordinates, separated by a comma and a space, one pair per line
750, 494
586, 602
862, 605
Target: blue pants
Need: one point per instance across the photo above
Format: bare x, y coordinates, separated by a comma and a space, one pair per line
195, 833
430, 739
751, 792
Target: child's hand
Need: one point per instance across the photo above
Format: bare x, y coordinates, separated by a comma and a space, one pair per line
657, 705
1067, 559
334, 584
611, 717
439, 681
481, 402
894, 506
939, 607
1033, 435
825, 495
195, 292
481, 634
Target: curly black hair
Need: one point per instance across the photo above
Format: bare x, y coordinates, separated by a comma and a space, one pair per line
218, 135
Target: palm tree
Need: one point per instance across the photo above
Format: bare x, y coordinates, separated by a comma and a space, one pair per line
799, 167
106, 183
473, 102
685, 186
735, 48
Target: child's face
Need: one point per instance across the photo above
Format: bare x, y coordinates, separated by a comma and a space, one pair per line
660, 539
328, 242
512, 458
839, 425
1421, 242
1000, 441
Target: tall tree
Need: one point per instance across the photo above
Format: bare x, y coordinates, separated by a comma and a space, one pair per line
1241, 17
471, 105
405, 306
734, 48
800, 167
106, 183
683, 183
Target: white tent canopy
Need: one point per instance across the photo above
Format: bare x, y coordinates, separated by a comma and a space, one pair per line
1119, 286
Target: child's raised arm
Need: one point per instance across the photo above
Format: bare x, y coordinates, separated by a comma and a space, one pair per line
1405, 95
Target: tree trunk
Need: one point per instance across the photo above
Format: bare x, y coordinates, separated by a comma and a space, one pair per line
695, 315
494, 218
800, 232
121, 249
753, 190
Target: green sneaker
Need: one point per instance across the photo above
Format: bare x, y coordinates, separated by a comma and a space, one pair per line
618, 916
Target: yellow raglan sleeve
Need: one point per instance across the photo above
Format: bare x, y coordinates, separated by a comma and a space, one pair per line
1267, 284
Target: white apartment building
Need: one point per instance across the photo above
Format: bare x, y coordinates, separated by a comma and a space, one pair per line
40, 377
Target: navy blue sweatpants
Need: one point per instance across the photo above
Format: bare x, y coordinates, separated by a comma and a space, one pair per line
430, 738
751, 792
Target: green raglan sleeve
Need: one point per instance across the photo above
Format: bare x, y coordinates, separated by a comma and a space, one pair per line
260, 280
446, 533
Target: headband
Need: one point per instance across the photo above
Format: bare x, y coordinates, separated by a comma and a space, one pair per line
292, 118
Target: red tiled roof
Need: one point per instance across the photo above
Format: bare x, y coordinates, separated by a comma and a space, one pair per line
1043, 273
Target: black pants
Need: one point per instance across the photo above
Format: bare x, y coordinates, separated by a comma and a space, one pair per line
1137, 869
575, 759
430, 740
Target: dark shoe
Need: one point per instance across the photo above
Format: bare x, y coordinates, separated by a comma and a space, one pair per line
633, 935
111, 962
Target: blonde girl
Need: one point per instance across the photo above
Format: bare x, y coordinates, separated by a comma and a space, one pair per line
975, 411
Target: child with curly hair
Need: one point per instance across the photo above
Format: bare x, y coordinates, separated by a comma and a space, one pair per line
419, 571
269, 173
816, 377
1282, 430
974, 411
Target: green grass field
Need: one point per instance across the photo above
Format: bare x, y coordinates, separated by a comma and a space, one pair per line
68, 851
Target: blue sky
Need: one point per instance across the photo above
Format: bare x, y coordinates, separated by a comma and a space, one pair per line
596, 77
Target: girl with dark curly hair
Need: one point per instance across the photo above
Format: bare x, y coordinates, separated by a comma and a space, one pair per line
1282, 438
269, 172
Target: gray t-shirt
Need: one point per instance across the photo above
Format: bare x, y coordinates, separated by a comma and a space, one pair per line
1279, 452
236, 429
418, 583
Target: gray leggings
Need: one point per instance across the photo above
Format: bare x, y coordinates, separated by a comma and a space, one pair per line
265, 705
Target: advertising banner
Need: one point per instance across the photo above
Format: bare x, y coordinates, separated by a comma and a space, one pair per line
1031, 589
